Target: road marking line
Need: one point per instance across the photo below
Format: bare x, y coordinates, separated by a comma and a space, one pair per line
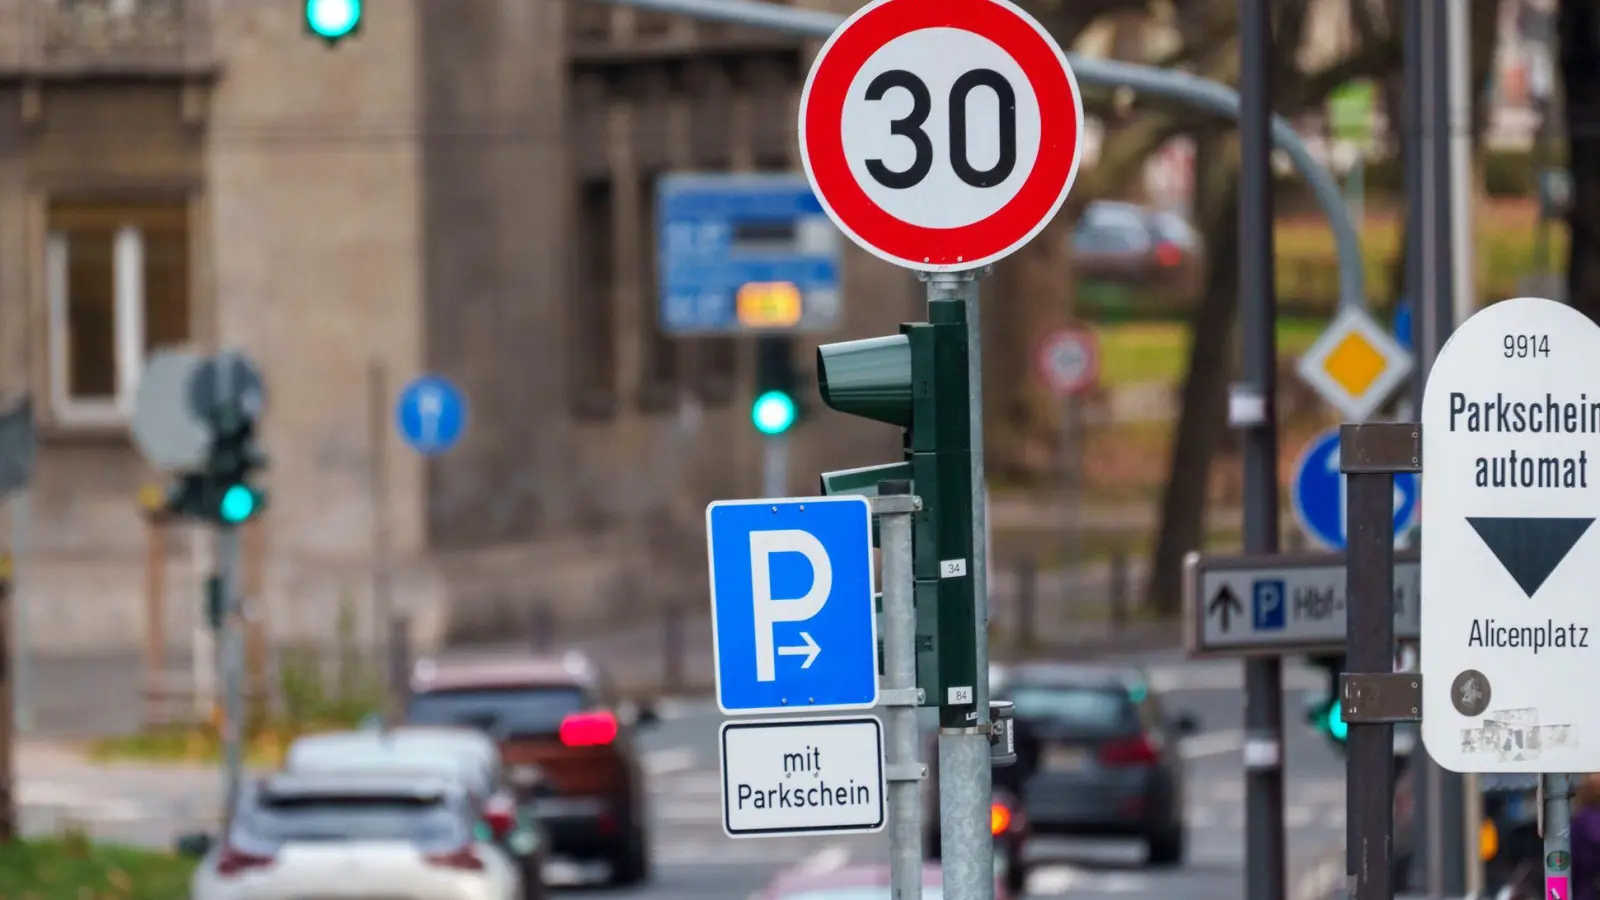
686, 812
1320, 881
665, 762
1214, 743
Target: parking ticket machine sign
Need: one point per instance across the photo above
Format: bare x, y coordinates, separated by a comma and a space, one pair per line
793, 625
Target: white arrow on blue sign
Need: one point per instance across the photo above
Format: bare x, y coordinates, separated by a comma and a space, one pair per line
1319, 494
431, 415
793, 625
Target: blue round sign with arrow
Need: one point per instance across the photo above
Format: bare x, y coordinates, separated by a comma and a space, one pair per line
431, 415
1319, 494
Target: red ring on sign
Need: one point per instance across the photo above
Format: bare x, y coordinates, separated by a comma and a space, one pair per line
1086, 342
822, 144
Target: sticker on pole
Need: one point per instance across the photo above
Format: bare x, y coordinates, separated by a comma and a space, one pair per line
1069, 361
941, 135
1509, 561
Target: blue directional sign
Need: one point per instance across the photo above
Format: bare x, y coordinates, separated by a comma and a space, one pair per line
793, 626
743, 253
1319, 494
431, 415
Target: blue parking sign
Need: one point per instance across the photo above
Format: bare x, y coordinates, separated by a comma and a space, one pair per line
793, 623
1267, 604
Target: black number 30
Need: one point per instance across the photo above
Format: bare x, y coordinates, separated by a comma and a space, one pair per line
910, 128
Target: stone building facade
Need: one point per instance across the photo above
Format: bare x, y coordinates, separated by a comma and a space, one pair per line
465, 188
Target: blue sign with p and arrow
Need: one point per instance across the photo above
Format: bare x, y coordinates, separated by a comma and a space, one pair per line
793, 623
1319, 494
431, 415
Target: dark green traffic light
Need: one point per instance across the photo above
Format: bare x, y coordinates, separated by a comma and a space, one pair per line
333, 20
870, 378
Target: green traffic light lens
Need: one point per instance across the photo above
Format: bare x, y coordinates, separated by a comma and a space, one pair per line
773, 412
1335, 721
238, 503
333, 18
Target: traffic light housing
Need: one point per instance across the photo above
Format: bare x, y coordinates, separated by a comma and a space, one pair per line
777, 404
331, 21
917, 380
1325, 713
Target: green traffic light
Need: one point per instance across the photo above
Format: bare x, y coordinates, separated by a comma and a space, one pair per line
238, 504
333, 19
1334, 720
773, 412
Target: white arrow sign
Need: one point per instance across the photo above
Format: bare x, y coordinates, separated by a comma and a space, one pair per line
809, 651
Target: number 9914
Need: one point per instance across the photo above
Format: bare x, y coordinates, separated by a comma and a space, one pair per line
1523, 346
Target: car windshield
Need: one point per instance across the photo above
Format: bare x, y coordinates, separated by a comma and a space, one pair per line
425, 821
1091, 709
507, 711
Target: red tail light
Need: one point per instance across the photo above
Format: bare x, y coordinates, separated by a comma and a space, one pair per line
464, 858
999, 818
233, 861
588, 729
1134, 751
500, 814
1168, 255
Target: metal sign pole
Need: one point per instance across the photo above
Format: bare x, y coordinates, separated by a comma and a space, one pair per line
1557, 831
1372, 696
894, 507
966, 781
232, 662
21, 657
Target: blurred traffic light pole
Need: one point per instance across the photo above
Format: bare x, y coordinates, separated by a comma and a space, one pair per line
775, 410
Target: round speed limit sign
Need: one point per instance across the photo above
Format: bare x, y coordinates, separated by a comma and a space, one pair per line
941, 135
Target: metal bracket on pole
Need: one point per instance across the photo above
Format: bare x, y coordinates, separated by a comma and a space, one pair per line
1376, 698
901, 697
905, 772
895, 503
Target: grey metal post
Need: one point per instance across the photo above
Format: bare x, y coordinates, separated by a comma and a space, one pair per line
1557, 791
1266, 876
232, 664
1200, 93
894, 507
965, 782
382, 518
775, 465
21, 652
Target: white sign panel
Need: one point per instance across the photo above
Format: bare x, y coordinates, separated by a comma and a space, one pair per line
802, 776
1510, 560
1246, 605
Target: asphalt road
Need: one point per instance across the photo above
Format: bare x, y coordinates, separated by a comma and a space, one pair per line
695, 860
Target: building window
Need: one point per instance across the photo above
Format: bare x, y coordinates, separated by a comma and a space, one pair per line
594, 326
660, 371
117, 276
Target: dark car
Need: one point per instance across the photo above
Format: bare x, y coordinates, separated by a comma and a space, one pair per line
1124, 243
569, 748
1098, 756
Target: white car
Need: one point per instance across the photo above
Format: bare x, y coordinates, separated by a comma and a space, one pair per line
348, 836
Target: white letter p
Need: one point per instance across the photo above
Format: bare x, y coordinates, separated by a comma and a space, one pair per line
769, 611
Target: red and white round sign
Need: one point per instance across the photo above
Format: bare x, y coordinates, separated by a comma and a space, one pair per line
941, 135
1069, 361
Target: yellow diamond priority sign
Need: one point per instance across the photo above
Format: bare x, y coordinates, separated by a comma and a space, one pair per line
1355, 365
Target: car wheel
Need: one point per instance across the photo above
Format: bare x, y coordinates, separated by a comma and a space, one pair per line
1167, 847
1016, 874
631, 864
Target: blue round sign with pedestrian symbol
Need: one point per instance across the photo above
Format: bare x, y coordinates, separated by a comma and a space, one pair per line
1319, 494
431, 415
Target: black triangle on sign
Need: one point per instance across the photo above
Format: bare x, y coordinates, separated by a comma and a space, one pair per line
1530, 549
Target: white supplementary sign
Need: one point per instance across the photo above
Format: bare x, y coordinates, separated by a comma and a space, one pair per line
941, 136
1241, 604
1509, 562
802, 776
